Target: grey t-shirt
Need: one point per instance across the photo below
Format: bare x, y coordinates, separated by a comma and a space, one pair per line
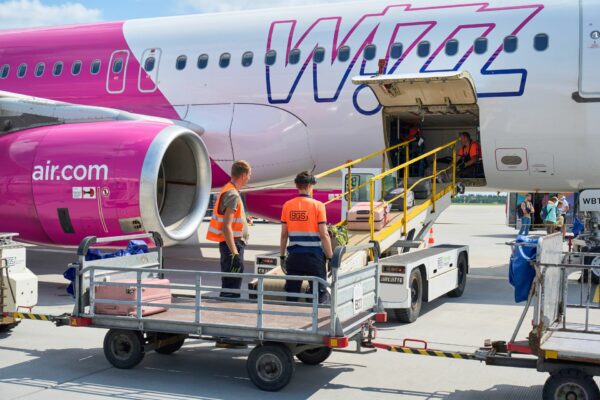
231, 199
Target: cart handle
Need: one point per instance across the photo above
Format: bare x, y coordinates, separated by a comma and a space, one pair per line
89, 241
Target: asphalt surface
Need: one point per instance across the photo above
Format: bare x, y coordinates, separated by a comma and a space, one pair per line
40, 361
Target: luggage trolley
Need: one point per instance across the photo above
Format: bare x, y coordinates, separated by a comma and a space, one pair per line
278, 330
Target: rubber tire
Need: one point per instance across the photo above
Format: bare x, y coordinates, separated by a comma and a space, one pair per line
131, 344
588, 261
409, 315
584, 382
277, 353
462, 276
170, 348
314, 356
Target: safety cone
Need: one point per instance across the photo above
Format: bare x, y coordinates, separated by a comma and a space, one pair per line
431, 240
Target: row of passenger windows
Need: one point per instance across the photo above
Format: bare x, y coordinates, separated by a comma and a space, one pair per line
511, 43
541, 42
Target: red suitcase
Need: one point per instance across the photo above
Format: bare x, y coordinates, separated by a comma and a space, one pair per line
358, 216
149, 295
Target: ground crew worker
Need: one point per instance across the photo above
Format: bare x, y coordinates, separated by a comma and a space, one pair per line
229, 227
470, 157
304, 223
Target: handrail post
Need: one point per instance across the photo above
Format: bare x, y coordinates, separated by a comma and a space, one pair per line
405, 201
372, 209
434, 183
454, 169
383, 164
349, 187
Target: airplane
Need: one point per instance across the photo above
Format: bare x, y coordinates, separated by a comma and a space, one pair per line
121, 127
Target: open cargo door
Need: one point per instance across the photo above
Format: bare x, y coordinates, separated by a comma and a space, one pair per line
442, 89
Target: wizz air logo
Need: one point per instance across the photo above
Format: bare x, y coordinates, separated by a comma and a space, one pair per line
403, 24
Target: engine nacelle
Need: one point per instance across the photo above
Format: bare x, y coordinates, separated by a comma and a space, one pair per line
59, 184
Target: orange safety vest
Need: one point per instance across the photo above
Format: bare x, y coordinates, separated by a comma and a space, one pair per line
215, 228
302, 216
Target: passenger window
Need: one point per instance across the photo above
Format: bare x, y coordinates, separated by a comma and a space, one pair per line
510, 44
39, 69
294, 56
76, 68
424, 49
396, 51
22, 70
541, 42
319, 55
247, 58
57, 69
452, 47
149, 64
117, 66
271, 57
370, 52
95, 67
4, 72
202, 61
481, 45
181, 63
224, 60
344, 54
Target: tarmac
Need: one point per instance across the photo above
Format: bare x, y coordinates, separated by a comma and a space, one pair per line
40, 361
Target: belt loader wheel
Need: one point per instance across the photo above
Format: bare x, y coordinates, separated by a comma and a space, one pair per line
270, 366
124, 349
462, 268
314, 356
570, 384
415, 291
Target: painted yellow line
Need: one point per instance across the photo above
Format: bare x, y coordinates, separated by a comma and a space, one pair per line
597, 295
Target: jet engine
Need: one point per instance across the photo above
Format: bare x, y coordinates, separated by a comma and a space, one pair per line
61, 183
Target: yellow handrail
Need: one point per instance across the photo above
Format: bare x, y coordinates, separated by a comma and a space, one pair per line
406, 188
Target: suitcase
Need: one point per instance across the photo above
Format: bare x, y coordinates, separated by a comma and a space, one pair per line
398, 204
422, 190
149, 295
358, 216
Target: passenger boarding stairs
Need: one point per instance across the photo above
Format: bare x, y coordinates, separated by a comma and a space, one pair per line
408, 228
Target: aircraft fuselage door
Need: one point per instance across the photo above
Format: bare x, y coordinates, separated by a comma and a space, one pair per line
117, 72
149, 65
589, 81
419, 90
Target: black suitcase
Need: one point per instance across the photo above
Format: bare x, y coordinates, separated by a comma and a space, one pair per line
398, 204
422, 190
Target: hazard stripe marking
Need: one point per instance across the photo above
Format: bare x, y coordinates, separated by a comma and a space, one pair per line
431, 353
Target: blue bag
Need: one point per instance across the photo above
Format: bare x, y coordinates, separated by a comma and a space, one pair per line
520, 272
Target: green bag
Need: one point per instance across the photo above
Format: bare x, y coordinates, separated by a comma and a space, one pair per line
338, 235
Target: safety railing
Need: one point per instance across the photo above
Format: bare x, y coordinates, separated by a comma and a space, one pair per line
353, 163
405, 170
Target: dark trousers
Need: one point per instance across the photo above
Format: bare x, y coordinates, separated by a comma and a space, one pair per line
305, 264
226, 282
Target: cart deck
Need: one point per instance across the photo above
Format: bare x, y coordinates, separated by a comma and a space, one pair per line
573, 344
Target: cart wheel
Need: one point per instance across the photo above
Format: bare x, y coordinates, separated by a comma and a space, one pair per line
314, 356
171, 347
462, 276
411, 314
270, 366
124, 349
570, 384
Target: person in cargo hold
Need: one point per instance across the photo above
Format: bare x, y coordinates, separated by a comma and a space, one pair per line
469, 157
229, 227
304, 223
